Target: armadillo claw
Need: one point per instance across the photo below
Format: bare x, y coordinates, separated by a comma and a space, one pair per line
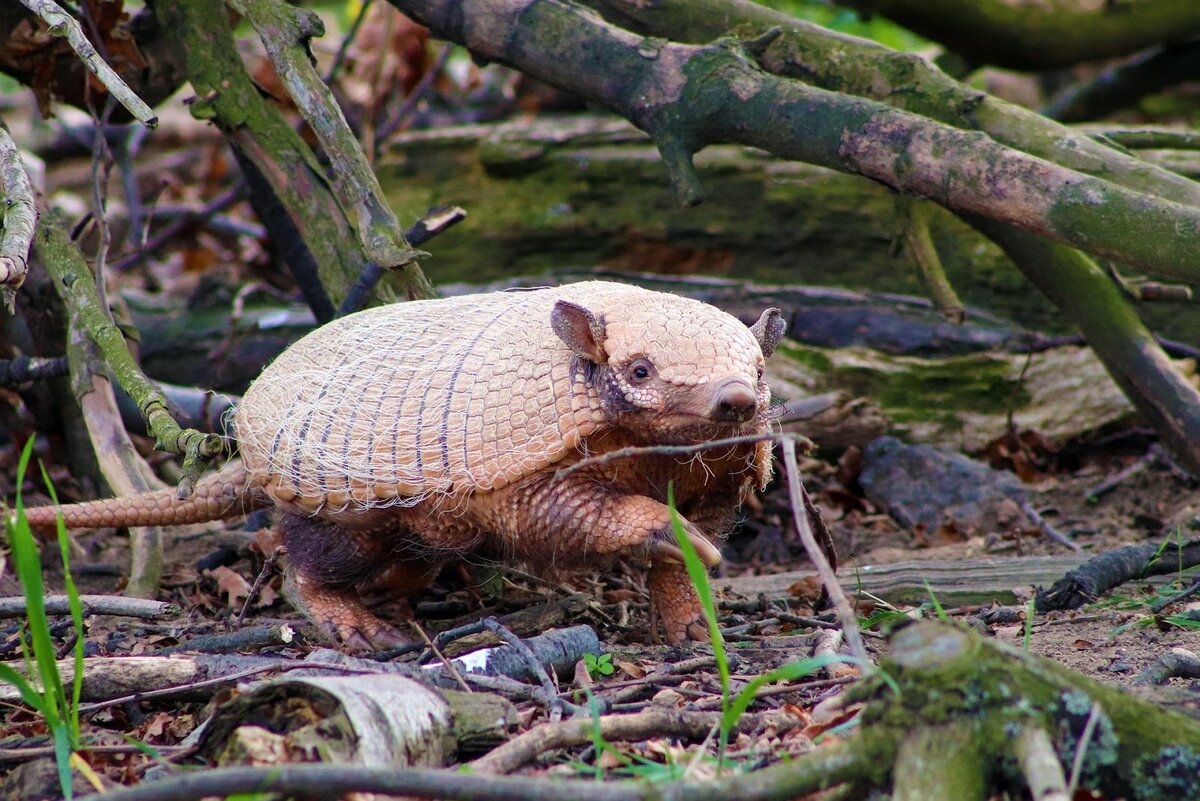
675, 605
366, 636
341, 615
664, 548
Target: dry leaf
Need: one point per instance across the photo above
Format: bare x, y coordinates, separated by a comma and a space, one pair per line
231, 584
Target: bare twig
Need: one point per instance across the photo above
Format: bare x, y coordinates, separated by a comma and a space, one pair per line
1085, 739
18, 217
63, 24
347, 40
433, 223
441, 657
267, 569
674, 450
170, 231
23, 369
841, 603
536, 669
391, 125
95, 605
1040, 765
1047, 529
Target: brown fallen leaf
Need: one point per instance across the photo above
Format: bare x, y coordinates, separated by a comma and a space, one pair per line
230, 584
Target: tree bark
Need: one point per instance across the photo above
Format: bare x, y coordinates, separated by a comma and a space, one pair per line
1038, 36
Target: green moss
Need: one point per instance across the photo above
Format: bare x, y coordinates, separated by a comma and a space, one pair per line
808, 356
936, 390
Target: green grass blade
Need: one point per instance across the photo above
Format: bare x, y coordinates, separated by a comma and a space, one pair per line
63, 748
29, 573
29, 693
698, 574
64, 547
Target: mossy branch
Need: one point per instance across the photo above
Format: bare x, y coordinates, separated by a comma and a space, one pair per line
76, 286
913, 86
841, 63
918, 242
285, 32
689, 96
1037, 36
17, 219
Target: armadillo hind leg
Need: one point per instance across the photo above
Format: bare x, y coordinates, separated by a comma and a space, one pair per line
340, 614
674, 604
325, 567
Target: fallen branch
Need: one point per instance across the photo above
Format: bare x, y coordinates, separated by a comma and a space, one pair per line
1100, 574
800, 513
523, 749
95, 605
62, 24
17, 219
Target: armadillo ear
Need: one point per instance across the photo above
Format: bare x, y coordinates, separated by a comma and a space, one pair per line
769, 330
582, 330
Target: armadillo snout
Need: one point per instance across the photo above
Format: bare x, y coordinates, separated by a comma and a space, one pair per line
735, 402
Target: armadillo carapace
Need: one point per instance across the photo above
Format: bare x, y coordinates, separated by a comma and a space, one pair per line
403, 436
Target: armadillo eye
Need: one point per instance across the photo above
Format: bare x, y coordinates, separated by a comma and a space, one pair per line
640, 371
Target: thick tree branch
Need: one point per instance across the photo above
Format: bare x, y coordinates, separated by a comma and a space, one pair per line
285, 32
289, 189
17, 219
1024, 35
687, 97
906, 81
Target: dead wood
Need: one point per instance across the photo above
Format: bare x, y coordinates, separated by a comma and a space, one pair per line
1088, 581
381, 719
95, 605
961, 582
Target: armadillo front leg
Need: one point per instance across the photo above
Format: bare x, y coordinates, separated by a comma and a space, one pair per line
549, 522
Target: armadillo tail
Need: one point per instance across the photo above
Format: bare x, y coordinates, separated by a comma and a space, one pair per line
226, 493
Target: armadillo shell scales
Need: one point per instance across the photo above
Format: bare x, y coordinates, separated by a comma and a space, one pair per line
397, 403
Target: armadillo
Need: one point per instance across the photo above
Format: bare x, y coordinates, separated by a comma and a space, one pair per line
403, 436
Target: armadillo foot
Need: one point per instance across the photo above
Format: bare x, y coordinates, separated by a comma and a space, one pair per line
674, 604
342, 615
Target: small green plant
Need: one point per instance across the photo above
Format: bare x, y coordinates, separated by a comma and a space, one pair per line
599, 666
51, 701
698, 573
937, 605
1030, 611
732, 708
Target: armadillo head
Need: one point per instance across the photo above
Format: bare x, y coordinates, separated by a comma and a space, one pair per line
671, 370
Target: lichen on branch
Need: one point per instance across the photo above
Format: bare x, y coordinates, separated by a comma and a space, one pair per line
76, 286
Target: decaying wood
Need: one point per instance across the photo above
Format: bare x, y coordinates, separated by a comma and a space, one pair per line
969, 581
1093, 578
95, 605
382, 719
